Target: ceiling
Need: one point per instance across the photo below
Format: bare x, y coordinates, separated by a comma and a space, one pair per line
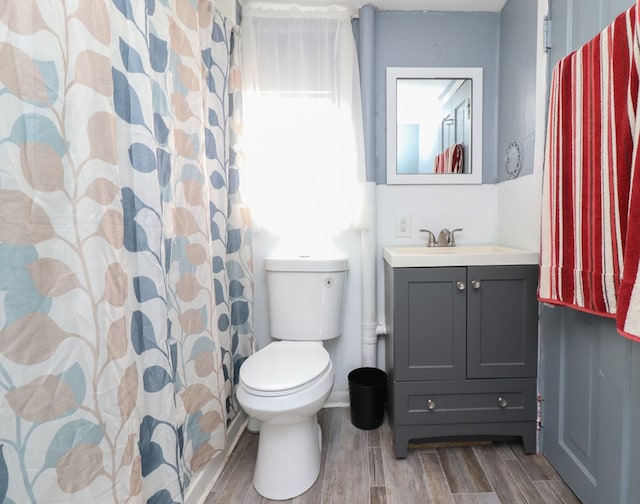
417, 5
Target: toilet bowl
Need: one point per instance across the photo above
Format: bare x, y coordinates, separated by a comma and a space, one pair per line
285, 384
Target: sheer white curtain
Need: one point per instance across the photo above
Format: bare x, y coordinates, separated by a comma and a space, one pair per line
303, 140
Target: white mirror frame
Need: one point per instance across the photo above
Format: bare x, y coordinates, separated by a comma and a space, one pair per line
473, 73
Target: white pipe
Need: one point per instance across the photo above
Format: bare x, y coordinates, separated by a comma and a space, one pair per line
368, 247
368, 239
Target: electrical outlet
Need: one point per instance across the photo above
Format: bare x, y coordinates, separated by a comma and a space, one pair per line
403, 226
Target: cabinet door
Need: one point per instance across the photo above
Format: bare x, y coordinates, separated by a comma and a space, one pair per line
502, 321
430, 323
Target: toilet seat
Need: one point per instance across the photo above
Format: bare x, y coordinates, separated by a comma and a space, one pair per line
284, 368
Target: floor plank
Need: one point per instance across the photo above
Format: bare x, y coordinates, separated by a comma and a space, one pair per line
378, 495
504, 450
359, 467
463, 471
499, 475
537, 467
373, 438
477, 498
436, 479
556, 492
346, 476
404, 478
524, 482
241, 479
376, 467
232, 463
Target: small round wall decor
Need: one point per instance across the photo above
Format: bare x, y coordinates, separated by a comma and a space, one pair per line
513, 159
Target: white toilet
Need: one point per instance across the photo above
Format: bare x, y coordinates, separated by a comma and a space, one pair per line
285, 384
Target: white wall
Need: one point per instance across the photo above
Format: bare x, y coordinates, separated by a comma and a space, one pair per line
520, 200
518, 217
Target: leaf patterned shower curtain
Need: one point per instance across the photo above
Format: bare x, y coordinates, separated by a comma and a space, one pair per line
125, 255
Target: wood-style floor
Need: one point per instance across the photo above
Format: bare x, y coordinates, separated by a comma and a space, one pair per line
358, 467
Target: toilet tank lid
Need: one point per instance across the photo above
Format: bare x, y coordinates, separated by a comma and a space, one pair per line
306, 263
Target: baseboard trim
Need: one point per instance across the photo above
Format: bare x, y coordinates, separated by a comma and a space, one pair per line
338, 399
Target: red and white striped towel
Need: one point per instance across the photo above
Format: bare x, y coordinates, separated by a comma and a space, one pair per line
438, 163
590, 243
455, 158
451, 160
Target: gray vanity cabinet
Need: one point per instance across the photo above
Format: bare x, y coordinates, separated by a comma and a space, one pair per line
461, 352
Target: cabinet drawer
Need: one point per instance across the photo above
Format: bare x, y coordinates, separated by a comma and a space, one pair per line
464, 401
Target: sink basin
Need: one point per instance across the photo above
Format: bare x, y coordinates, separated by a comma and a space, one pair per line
464, 255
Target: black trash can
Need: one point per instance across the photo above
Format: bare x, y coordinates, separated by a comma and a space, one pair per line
367, 396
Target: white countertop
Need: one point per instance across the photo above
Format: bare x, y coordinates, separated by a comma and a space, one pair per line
464, 255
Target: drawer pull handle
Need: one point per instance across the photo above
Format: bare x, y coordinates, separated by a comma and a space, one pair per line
476, 284
461, 286
502, 402
431, 405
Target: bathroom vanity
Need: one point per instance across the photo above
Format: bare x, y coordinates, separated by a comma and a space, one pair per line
461, 353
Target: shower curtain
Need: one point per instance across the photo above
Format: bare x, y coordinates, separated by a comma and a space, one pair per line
125, 250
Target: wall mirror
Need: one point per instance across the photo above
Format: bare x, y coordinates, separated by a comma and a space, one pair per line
434, 125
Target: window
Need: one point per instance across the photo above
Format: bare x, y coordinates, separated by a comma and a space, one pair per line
302, 141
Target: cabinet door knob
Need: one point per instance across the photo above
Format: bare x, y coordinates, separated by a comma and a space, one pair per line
431, 405
475, 284
461, 286
502, 402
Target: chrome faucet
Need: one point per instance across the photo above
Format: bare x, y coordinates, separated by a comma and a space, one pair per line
443, 238
446, 238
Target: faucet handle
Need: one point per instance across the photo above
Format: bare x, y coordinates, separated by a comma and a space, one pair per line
452, 241
431, 239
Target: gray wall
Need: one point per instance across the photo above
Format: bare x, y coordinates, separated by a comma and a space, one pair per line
577, 21
517, 82
437, 39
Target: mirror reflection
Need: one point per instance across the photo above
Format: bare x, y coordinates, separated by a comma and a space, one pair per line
432, 136
433, 127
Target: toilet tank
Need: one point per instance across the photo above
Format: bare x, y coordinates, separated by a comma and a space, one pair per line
305, 297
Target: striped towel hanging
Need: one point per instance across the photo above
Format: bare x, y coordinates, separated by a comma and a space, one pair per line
590, 233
